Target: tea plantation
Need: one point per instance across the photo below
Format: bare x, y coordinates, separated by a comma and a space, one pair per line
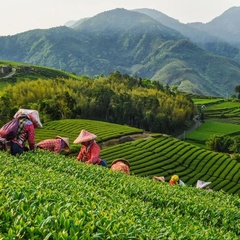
46, 196
71, 128
165, 156
159, 155
50, 196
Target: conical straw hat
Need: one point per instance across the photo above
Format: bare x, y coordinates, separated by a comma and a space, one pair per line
31, 114
66, 140
84, 136
202, 184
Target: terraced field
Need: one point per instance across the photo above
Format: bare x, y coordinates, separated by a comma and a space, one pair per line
165, 156
72, 127
160, 155
221, 117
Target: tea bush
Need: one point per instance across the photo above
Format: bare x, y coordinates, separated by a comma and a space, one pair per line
47, 196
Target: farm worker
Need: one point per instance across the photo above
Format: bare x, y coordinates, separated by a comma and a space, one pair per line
121, 165
175, 180
28, 121
55, 145
89, 151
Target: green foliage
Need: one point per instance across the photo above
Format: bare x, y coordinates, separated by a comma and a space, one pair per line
119, 99
71, 128
220, 143
236, 157
24, 72
45, 196
221, 117
166, 156
133, 43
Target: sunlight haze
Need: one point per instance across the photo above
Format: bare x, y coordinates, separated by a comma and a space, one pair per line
20, 16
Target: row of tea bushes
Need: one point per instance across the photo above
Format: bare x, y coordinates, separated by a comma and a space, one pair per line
166, 156
72, 127
46, 196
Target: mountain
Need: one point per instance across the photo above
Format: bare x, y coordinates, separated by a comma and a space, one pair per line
130, 42
225, 27
221, 36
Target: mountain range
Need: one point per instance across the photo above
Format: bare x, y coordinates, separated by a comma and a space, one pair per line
198, 58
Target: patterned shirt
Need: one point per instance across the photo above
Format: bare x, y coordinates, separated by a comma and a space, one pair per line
53, 145
90, 154
27, 133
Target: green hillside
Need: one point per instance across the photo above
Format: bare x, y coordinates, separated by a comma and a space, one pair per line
46, 196
132, 43
19, 71
157, 154
72, 127
221, 117
166, 156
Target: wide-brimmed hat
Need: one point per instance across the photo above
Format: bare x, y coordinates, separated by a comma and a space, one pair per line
160, 179
66, 140
31, 114
121, 160
202, 184
85, 136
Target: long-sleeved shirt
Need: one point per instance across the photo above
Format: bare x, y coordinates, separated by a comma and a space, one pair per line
90, 154
53, 145
27, 133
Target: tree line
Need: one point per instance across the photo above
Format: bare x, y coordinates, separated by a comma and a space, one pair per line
118, 98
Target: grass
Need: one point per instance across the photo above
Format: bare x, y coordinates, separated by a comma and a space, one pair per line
204, 131
224, 105
206, 101
221, 118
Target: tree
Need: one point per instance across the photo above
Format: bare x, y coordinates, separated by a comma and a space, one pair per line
237, 90
221, 143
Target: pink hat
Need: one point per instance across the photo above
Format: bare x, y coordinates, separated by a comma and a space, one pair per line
66, 140
84, 136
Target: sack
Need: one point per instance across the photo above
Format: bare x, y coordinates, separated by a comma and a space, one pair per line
10, 129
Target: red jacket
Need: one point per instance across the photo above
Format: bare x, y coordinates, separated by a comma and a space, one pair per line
90, 154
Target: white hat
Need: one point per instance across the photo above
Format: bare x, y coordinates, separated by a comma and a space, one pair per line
202, 184
31, 114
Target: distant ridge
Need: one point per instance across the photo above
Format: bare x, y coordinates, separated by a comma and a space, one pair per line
147, 45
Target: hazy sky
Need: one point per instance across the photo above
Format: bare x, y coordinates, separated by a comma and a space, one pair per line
22, 15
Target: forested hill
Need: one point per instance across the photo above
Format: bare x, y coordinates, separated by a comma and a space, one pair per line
129, 42
219, 36
118, 99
